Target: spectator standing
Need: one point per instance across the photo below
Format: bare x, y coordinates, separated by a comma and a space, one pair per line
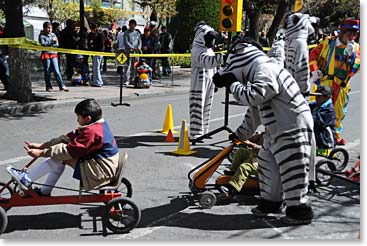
132, 43
96, 43
166, 41
49, 58
147, 44
263, 40
156, 46
68, 40
82, 43
4, 66
108, 38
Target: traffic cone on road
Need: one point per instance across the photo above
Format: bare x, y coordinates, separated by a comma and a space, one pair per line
168, 121
183, 147
169, 137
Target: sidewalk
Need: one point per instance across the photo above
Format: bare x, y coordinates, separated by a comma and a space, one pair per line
177, 83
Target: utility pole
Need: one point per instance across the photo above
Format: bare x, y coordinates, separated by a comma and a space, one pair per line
81, 10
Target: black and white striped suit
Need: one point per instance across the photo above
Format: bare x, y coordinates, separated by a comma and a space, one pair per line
203, 66
298, 28
275, 101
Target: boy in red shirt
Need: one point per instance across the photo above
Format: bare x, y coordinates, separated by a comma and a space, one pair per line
91, 150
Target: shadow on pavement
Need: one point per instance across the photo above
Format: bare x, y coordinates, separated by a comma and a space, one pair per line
49, 221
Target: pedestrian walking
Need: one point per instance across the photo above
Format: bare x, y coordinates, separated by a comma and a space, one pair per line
50, 58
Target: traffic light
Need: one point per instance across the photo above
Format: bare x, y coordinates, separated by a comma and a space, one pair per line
230, 16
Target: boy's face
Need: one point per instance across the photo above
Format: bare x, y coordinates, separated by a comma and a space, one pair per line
321, 99
83, 120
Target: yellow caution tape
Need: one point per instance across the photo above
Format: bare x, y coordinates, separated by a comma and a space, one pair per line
21, 43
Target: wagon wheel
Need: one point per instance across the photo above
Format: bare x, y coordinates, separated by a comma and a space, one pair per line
340, 158
207, 199
3, 220
125, 188
122, 215
6, 193
323, 179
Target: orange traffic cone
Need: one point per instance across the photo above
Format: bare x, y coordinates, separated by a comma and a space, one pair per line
169, 137
168, 122
183, 147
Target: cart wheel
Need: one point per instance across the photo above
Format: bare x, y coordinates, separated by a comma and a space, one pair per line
6, 193
323, 179
122, 215
340, 157
125, 188
207, 199
3, 220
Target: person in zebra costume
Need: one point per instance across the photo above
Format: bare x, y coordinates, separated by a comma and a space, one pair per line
275, 101
297, 28
203, 66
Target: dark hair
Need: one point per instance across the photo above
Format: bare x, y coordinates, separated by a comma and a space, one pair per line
89, 107
46, 24
132, 21
124, 28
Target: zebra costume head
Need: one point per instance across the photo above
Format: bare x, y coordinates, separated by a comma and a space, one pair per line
298, 25
205, 36
244, 57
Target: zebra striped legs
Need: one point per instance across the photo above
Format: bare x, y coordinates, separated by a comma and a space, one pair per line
200, 107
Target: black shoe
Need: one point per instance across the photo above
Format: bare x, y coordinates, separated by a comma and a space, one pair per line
228, 172
38, 191
298, 215
267, 207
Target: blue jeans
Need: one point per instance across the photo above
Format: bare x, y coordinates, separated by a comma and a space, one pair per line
97, 77
48, 65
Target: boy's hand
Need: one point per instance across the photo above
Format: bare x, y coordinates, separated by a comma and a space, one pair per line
35, 153
34, 145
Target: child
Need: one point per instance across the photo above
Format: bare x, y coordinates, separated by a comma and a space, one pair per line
244, 164
81, 75
323, 114
90, 150
144, 74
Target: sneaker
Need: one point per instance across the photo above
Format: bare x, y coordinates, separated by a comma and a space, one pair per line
341, 141
298, 215
21, 177
64, 88
39, 192
266, 207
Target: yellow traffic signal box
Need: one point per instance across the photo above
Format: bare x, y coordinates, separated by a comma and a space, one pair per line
230, 16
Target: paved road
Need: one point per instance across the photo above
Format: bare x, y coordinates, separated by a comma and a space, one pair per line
160, 184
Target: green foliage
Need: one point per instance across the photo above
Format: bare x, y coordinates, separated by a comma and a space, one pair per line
164, 8
61, 11
180, 61
191, 12
333, 12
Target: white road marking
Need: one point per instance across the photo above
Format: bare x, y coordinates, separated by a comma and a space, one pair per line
354, 92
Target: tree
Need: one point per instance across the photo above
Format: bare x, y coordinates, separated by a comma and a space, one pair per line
20, 87
191, 12
160, 9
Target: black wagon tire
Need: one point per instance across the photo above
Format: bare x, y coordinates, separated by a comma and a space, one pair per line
3, 220
323, 179
122, 215
339, 157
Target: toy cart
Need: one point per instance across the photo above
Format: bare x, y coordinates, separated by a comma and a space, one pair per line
120, 214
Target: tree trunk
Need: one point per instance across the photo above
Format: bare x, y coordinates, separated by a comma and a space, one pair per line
281, 11
254, 29
20, 87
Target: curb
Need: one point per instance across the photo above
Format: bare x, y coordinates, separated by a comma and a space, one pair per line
13, 108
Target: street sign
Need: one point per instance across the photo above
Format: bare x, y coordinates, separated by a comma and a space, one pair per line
121, 57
